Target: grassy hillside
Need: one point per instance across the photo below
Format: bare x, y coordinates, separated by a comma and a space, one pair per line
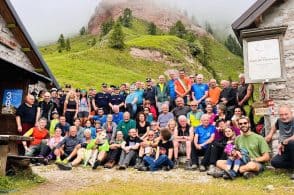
88, 66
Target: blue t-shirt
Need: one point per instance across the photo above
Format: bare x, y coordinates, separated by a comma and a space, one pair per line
102, 119
139, 94
204, 133
117, 117
199, 90
172, 92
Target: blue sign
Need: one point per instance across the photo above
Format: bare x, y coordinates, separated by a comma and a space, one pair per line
12, 99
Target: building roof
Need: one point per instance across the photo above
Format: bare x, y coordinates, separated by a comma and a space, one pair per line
250, 17
20, 33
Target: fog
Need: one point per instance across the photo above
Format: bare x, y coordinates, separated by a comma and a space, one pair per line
45, 20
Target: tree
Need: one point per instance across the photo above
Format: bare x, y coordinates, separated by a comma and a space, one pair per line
208, 28
61, 42
67, 45
116, 38
83, 31
178, 29
233, 46
151, 28
126, 19
106, 26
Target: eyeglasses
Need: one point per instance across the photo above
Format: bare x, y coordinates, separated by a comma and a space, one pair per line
245, 123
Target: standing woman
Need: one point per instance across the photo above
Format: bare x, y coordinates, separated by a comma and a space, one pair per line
71, 107
84, 106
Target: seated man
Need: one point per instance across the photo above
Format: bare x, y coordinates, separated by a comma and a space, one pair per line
66, 148
255, 145
40, 134
194, 115
165, 116
129, 149
183, 135
285, 157
204, 136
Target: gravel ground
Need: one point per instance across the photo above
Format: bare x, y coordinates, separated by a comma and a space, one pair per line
79, 178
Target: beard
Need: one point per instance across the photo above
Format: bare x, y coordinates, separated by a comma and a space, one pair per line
244, 129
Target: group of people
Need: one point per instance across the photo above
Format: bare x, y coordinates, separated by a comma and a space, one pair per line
153, 126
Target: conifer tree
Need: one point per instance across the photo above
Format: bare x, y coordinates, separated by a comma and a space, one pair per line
116, 38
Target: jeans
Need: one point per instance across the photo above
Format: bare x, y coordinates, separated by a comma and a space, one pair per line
286, 159
162, 160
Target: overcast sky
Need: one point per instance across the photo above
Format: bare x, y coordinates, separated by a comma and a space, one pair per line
46, 19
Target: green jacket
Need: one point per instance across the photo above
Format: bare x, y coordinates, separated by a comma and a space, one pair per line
163, 95
124, 127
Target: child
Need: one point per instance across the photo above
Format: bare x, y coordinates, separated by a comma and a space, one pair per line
236, 158
53, 123
164, 154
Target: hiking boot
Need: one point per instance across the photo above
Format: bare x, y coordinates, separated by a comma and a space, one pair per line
230, 174
143, 168
211, 170
165, 168
194, 167
109, 164
46, 161
188, 165
176, 163
218, 174
202, 168
122, 167
96, 164
138, 163
248, 175
65, 167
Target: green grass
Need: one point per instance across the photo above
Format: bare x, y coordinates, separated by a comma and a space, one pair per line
279, 179
86, 66
21, 181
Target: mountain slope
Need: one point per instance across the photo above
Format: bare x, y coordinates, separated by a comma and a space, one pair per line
88, 66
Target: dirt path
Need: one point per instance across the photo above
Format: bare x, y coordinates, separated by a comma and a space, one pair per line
78, 179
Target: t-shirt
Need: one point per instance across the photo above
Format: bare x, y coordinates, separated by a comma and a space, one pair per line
253, 143
164, 147
27, 114
204, 133
142, 130
117, 117
124, 127
102, 118
213, 94
199, 90
286, 129
64, 128
132, 141
164, 118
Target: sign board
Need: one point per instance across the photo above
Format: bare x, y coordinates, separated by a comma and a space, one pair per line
12, 99
263, 108
264, 60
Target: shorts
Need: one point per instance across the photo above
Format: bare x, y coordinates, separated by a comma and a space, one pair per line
83, 114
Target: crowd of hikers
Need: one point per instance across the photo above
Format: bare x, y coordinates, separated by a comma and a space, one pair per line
181, 122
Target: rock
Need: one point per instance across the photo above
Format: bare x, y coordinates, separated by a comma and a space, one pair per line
269, 188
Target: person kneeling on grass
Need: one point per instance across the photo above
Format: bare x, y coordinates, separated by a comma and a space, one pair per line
164, 154
129, 149
66, 148
255, 145
40, 134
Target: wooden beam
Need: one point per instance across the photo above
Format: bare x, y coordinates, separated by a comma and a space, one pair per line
3, 159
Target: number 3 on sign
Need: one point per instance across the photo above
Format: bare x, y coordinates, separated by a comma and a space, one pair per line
8, 99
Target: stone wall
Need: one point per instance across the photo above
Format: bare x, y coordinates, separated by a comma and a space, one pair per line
282, 92
15, 55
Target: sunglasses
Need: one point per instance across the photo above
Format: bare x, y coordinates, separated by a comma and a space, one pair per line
245, 123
